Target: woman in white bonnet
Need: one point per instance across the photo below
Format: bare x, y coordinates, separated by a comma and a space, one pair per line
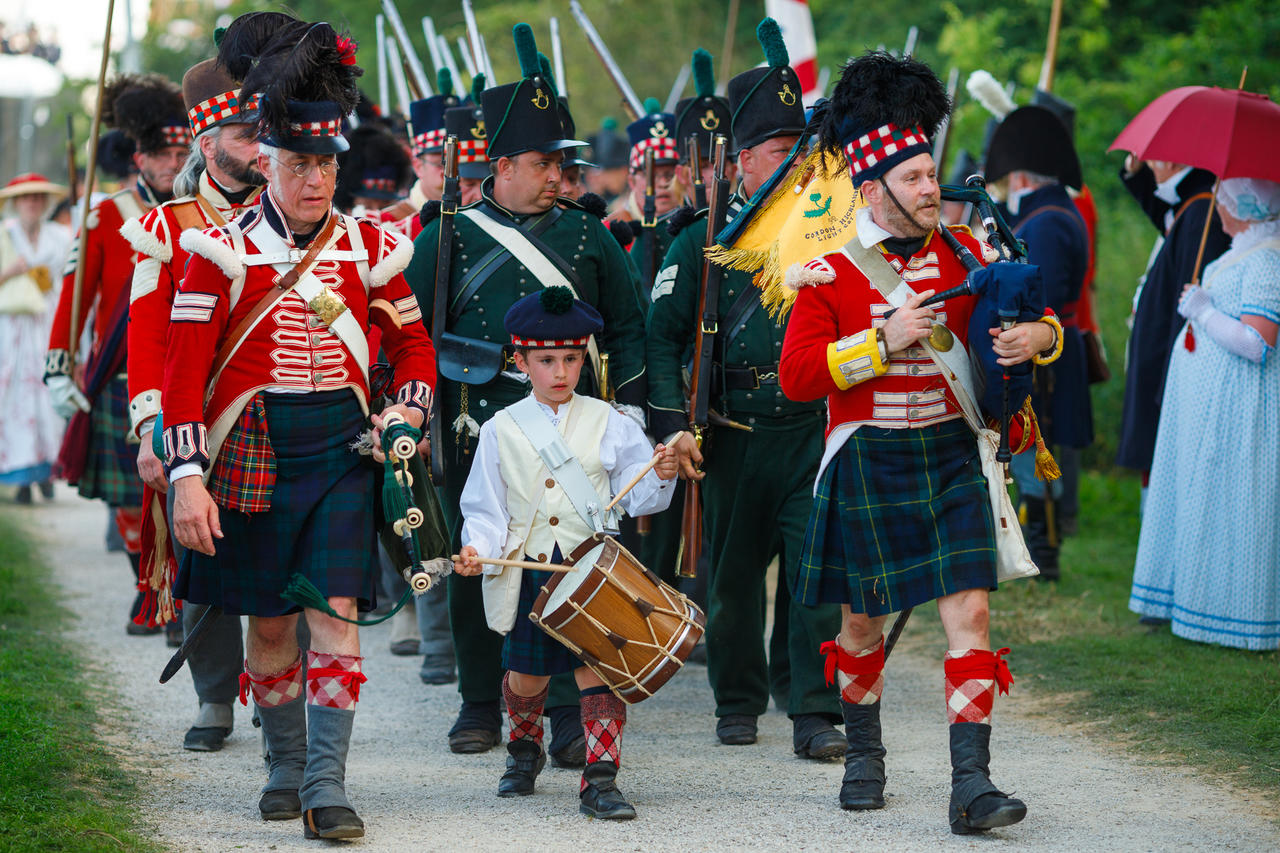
1209, 551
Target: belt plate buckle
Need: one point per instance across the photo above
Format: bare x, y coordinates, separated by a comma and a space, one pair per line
327, 305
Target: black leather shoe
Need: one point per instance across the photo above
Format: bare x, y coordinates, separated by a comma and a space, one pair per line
976, 804
862, 787
813, 736
525, 760
736, 729
280, 805
601, 797
477, 729
332, 822
206, 738
437, 669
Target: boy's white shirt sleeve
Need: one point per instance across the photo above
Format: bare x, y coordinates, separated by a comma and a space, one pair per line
624, 450
484, 501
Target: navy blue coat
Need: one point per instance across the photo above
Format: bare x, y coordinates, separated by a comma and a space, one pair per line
1156, 321
1058, 243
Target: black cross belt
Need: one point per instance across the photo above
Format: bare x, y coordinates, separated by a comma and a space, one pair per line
750, 378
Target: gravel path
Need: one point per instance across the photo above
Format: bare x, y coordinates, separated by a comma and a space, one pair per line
691, 792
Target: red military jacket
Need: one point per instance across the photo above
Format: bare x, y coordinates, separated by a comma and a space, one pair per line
291, 346
837, 301
402, 217
108, 271
159, 264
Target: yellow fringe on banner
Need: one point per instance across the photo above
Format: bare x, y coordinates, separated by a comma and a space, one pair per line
809, 215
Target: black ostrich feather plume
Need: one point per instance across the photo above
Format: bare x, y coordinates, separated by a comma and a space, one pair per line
139, 105
876, 88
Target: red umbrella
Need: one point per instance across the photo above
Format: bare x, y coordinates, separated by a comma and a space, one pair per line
1227, 131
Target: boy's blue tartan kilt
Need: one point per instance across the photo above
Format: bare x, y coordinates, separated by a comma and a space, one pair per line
900, 517
111, 469
320, 524
527, 648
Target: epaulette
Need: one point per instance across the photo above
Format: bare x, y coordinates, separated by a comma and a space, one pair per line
989, 255
624, 231
430, 213
394, 251
214, 244
682, 217
961, 229
150, 235
591, 203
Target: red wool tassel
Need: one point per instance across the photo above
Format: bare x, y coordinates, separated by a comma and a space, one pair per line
1189, 341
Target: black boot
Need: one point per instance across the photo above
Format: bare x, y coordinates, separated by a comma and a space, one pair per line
525, 760
478, 727
976, 804
600, 796
1036, 532
863, 784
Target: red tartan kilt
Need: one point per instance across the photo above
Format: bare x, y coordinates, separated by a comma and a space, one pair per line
245, 471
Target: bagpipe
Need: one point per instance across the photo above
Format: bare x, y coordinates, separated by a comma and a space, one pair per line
1009, 291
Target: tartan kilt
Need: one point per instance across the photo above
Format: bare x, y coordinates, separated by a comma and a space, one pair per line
528, 649
321, 521
111, 470
900, 517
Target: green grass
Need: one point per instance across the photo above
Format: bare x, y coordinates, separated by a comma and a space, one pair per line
60, 787
1076, 643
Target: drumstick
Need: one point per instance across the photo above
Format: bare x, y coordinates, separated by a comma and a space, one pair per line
520, 564
634, 480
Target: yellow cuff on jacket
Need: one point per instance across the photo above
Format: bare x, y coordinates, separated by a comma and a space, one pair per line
856, 358
1050, 355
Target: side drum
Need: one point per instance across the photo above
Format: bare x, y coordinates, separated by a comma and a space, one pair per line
633, 630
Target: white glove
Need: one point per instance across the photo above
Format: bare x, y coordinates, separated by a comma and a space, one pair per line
66, 397
1195, 303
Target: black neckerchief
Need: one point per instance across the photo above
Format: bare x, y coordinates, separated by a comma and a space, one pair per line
486, 197
150, 195
233, 198
903, 247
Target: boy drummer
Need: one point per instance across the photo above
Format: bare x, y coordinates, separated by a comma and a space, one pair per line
513, 506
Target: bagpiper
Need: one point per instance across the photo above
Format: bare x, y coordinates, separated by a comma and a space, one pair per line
266, 385
901, 510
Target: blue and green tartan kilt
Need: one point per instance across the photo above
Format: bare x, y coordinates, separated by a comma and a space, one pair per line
320, 524
900, 517
111, 469
527, 648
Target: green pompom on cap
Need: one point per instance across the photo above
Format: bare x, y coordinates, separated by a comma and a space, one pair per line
444, 81
704, 79
526, 50
477, 86
651, 106
775, 49
217, 36
556, 300
609, 123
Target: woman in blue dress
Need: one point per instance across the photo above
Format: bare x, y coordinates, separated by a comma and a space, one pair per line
1209, 551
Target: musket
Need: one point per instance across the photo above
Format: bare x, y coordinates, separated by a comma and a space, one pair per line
941, 138
384, 85
440, 299
467, 59
649, 220
447, 56
478, 51
557, 58
705, 331
677, 88
433, 44
416, 72
630, 102
1051, 49
695, 166
398, 77
71, 163
77, 285
910, 47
